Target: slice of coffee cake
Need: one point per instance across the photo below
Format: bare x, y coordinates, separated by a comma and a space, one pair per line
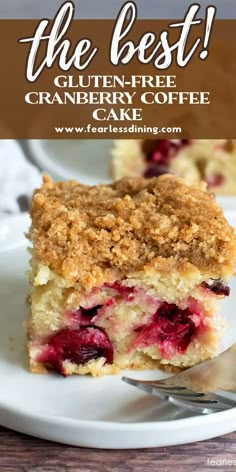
213, 161
127, 275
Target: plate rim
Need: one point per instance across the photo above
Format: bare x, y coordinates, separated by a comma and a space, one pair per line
41, 159
44, 162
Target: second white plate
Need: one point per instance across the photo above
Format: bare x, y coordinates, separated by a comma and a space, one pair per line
88, 161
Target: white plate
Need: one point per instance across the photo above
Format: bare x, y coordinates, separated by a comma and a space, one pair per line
88, 161
83, 411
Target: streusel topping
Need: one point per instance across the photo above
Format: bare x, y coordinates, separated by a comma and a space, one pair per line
88, 234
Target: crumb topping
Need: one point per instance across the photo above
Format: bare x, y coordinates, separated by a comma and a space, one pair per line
92, 234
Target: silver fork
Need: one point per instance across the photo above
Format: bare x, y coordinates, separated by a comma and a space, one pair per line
205, 388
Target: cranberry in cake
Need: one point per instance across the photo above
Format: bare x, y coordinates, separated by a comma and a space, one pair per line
126, 276
213, 161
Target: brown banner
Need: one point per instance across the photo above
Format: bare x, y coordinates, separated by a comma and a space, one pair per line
107, 101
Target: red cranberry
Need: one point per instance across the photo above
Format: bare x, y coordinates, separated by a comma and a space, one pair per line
215, 180
78, 346
162, 151
155, 170
126, 293
177, 324
171, 326
164, 147
90, 312
159, 159
83, 315
218, 287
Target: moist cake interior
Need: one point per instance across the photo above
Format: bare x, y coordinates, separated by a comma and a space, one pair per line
120, 325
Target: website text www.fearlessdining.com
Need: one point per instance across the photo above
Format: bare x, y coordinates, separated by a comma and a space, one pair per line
115, 129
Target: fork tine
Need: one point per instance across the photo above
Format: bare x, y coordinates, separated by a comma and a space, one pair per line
199, 396
154, 383
148, 387
152, 387
172, 399
139, 384
224, 399
196, 401
177, 390
180, 388
181, 393
199, 407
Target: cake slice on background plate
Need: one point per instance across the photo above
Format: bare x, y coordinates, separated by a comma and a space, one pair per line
213, 161
127, 275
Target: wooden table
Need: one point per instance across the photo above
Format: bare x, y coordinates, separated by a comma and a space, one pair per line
20, 453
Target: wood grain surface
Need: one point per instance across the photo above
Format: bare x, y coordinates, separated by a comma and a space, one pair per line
21, 453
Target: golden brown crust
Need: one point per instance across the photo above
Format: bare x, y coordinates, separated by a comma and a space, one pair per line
88, 234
